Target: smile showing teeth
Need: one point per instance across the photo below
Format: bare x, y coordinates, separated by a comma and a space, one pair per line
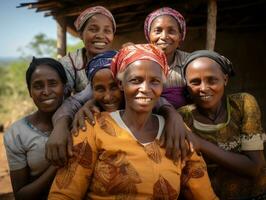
48, 101
205, 98
144, 100
99, 43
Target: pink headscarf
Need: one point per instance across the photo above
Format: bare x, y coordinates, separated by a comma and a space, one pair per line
165, 11
89, 12
132, 53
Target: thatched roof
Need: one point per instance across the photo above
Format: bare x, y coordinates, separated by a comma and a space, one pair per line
130, 14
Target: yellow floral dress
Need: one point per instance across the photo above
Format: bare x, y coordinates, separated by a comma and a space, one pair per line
109, 163
241, 132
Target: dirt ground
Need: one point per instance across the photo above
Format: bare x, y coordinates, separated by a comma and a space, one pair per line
5, 184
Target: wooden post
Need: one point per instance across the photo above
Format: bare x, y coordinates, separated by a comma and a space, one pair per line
211, 24
61, 37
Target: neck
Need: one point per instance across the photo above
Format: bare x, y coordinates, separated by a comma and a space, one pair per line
136, 121
213, 114
170, 58
43, 121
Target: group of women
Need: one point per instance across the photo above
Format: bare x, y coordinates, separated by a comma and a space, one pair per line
137, 97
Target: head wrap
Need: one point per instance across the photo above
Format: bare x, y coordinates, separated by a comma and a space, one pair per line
225, 64
98, 62
89, 12
54, 64
165, 11
132, 53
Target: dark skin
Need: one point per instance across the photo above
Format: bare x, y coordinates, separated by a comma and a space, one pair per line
206, 83
174, 143
47, 92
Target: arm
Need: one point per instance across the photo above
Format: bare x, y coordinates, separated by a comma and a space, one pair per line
59, 144
249, 163
174, 135
23, 189
72, 181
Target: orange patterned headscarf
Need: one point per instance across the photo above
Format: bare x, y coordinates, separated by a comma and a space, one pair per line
132, 53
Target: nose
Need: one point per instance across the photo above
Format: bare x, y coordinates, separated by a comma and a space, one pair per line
164, 35
46, 90
144, 86
108, 96
100, 34
203, 86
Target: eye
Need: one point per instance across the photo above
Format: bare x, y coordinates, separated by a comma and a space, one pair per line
194, 82
156, 81
114, 87
212, 80
99, 88
52, 83
157, 30
135, 80
108, 31
37, 85
92, 29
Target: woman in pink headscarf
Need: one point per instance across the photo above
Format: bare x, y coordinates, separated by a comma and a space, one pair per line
166, 28
119, 157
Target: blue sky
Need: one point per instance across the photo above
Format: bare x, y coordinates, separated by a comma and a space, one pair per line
19, 25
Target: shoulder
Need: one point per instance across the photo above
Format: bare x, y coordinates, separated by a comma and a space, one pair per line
182, 54
186, 109
71, 58
18, 128
242, 99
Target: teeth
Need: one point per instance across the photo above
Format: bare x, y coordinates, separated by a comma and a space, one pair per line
207, 97
99, 43
144, 99
48, 101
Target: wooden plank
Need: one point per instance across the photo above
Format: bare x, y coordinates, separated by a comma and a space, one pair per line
211, 24
61, 37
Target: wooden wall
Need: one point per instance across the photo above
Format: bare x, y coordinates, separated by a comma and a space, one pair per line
245, 48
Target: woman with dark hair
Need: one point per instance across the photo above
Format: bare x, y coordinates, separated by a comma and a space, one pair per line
119, 157
31, 174
226, 129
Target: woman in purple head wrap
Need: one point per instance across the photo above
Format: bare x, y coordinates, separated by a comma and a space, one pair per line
166, 28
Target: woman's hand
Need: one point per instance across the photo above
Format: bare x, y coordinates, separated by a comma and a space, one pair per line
85, 113
174, 136
59, 144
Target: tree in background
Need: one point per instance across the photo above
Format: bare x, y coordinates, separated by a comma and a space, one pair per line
15, 101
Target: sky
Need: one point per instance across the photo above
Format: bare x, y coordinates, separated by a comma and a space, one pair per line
18, 26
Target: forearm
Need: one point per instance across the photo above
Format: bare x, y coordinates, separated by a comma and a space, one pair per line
239, 163
72, 104
38, 187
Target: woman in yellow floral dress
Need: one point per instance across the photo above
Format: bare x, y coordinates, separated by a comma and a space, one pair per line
226, 128
119, 157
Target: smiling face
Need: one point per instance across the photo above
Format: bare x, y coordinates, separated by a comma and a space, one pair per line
46, 89
206, 82
142, 85
106, 91
97, 34
165, 34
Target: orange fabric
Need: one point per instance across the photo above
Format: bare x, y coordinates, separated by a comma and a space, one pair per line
129, 54
109, 163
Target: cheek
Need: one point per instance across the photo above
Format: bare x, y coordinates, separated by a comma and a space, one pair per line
110, 37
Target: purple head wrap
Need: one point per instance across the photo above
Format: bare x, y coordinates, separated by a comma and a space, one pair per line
165, 11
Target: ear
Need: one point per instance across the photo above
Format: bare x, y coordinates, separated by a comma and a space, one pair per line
120, 85
226, 78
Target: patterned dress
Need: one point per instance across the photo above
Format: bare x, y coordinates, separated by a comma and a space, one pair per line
241, 132
109, 163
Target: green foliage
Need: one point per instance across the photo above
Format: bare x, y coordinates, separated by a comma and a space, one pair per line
14, 98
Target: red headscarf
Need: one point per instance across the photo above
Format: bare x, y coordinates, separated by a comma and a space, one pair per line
132, 53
